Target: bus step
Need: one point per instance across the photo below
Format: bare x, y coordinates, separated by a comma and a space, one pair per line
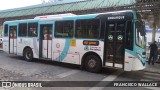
48, 59
111, 65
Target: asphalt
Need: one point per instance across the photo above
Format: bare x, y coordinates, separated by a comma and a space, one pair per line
15, 68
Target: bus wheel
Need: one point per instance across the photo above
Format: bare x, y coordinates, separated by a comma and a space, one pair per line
28, 54
93, 64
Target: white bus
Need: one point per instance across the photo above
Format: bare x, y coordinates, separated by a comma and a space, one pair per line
112, 39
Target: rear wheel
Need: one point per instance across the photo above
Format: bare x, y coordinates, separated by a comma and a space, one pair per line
28, 54
93, 64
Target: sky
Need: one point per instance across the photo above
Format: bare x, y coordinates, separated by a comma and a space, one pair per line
10, 4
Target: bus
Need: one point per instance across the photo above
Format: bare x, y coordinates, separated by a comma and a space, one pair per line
111, 39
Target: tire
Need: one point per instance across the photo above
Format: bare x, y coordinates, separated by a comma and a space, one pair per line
28, 54
93, 64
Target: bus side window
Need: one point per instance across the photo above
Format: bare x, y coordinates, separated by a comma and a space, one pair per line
79, 32
64, 28
80, 29
11, 33
32, 29
6, 30
68, 28
58, 29
45, 34
93, 28
50, 34
22, 29
90, 33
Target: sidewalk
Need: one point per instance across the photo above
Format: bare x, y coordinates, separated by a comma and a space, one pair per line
1, 49
152, 68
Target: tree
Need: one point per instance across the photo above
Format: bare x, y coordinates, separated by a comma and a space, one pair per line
43, 1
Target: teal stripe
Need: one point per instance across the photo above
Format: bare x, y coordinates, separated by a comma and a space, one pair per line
65, 50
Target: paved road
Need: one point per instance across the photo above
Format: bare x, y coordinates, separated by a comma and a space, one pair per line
16, 69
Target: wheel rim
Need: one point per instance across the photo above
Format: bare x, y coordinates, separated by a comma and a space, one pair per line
28, 55
92, 63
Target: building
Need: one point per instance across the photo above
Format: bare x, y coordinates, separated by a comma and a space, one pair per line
149, 35
149, 9
63, 6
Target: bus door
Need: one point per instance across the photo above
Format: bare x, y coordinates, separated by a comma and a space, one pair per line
13, 39
46, 41
114, 44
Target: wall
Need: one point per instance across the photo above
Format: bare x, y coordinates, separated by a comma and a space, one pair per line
149, 37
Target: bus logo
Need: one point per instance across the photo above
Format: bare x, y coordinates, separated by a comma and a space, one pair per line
58, 45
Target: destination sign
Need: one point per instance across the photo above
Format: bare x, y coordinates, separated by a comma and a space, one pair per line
94, 43
116, 17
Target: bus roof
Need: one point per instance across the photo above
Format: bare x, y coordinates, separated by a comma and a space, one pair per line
62, 16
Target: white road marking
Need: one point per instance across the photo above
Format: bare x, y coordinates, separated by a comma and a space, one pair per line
147, 75
152, 88
67, 73
111, 77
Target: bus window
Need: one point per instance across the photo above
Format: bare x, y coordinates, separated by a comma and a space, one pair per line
13, 32
68, 29
58, 29
50, 33
81, 28
129, 36
6, 30
64, 29
87, 28
93, 27
32, 29
45, 33
22, 29
140, 34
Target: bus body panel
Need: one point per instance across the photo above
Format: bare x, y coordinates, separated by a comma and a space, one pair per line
28, 42
72, 50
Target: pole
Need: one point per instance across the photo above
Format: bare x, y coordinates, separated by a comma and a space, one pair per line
154, 31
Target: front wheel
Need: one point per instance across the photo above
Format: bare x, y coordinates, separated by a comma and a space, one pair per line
28, 54
93, 64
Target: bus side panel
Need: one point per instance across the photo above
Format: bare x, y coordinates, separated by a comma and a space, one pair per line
72, 50
82, 49
21, 44
6, 44
128, 63
28, 42
132, 62
62, 51
35, 47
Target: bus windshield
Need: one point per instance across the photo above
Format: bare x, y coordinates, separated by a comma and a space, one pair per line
140, 34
